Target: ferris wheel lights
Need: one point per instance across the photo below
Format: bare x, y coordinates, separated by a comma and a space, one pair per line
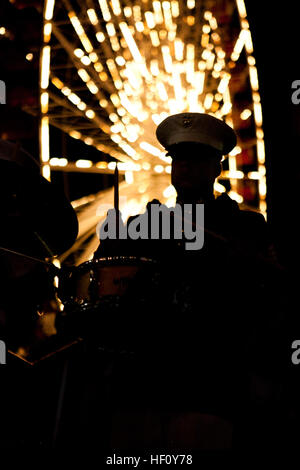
49, 7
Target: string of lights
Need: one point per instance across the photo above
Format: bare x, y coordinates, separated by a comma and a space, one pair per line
133, 65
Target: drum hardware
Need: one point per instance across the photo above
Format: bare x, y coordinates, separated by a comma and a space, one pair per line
95, 293
101, 298
116, 199
32, 258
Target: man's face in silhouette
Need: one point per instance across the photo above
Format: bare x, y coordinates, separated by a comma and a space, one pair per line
194, 168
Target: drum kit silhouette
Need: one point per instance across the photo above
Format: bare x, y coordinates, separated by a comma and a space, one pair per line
102, 298
39, 224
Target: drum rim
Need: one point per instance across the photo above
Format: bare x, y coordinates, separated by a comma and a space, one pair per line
115, 259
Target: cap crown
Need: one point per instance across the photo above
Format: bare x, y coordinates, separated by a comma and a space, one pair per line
199, 128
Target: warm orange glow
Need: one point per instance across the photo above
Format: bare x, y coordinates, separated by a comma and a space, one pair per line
143, 68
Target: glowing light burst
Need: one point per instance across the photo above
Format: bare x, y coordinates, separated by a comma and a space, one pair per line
137, 65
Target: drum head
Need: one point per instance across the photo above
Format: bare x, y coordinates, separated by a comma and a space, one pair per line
106, 298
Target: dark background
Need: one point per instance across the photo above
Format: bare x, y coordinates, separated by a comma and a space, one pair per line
275, 31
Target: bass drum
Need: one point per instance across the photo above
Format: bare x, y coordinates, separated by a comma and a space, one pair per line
106, 299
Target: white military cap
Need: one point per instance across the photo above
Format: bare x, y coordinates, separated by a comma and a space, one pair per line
196, 127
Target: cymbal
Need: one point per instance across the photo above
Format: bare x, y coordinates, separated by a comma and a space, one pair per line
36, 217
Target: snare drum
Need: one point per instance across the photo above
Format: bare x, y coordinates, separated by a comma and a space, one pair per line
111, 277
108, 294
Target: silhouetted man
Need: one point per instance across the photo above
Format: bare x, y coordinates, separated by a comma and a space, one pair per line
202, 358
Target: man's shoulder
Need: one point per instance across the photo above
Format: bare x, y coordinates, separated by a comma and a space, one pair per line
252, 221
243, 218
252, 228
252, 217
